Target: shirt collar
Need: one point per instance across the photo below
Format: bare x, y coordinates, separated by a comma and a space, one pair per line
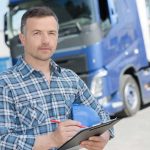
26, 70
55, 68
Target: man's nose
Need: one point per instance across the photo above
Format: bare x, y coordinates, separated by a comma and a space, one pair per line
45, 38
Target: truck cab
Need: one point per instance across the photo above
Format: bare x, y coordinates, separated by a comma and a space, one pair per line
102, 41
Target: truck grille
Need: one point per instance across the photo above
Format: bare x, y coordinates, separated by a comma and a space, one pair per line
76, 63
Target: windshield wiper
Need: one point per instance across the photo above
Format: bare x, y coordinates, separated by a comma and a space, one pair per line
69, 29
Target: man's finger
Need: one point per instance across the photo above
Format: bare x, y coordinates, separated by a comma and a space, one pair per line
96, 138
70, 123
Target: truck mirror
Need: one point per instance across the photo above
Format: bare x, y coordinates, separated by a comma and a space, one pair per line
114, 19
112, 12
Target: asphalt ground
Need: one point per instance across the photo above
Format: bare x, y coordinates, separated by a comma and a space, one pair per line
132, 133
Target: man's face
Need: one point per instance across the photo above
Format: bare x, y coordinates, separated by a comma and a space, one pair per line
39, 38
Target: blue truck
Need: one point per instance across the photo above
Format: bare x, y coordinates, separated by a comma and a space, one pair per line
106, 42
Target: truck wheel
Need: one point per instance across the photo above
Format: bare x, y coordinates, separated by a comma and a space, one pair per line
131, 96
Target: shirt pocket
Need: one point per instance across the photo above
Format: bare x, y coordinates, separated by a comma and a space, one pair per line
69, 99
31, 113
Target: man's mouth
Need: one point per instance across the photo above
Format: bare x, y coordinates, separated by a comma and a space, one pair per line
44, 48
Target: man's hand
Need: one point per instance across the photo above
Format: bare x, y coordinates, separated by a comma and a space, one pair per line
65, 131
96, 142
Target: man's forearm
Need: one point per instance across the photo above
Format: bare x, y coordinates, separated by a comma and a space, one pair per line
44, 142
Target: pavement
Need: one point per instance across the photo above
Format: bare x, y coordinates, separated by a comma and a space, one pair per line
132, 133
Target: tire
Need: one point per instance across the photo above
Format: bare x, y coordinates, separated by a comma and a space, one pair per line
131, 96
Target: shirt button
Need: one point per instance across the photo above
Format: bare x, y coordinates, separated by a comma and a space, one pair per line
33, 114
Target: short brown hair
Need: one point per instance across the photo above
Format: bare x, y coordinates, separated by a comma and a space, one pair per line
36, 12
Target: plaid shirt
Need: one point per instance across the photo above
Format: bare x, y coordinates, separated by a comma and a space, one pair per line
28, 102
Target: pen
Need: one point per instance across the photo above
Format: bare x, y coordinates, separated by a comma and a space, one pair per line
57, 121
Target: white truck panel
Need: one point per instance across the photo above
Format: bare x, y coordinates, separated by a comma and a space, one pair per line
145, 25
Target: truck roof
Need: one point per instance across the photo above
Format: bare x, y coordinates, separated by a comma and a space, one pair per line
15, 2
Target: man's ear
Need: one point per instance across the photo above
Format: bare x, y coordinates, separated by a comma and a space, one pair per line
22, 38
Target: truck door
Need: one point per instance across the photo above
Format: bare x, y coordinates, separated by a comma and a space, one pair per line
119, 38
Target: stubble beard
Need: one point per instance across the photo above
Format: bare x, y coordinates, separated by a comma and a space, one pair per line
40, 58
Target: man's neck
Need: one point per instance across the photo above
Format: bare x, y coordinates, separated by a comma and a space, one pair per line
43, 66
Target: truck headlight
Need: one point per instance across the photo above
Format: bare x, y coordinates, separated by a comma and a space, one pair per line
97, 83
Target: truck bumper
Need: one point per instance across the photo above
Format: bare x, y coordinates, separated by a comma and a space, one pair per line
112, 106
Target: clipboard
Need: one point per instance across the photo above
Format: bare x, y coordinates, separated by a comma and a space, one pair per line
84, 134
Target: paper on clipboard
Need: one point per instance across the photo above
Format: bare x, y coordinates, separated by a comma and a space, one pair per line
84, 134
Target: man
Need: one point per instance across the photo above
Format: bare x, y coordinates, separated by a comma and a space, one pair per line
36, 90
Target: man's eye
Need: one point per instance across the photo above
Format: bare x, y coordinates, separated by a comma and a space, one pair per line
36, 33
51, 33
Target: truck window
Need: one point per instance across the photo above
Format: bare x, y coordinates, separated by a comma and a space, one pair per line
104, 12
67, 11
108, 15
104, 15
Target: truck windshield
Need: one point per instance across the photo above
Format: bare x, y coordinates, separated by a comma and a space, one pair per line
71, 13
